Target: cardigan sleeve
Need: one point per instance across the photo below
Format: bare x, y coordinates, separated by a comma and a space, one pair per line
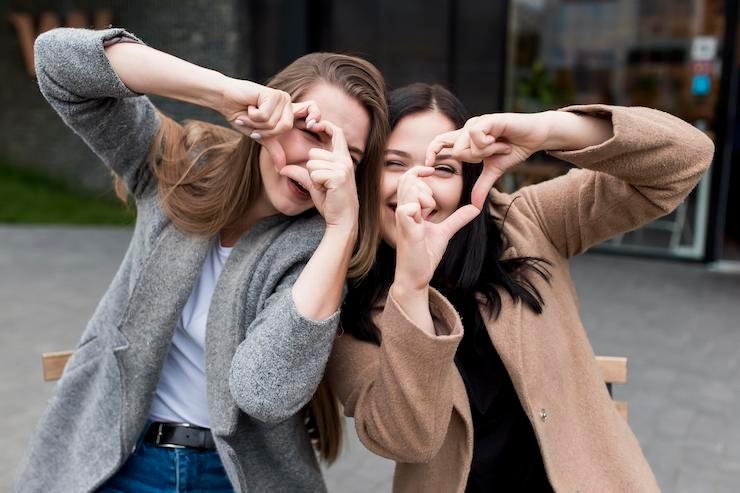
643, 172
77, 80
401, 392
279, 364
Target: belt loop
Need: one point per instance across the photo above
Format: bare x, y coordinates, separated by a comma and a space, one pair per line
159, 433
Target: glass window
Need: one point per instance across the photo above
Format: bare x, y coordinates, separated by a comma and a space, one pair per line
659, 53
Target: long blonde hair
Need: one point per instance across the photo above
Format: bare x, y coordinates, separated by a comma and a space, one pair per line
203, 187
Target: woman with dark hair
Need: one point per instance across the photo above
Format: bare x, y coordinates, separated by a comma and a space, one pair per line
197, 367
464, 358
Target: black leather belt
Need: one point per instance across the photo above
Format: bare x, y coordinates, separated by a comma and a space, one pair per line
179, 435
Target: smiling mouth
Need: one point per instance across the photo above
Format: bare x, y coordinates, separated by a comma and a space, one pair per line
299, 188
392, 207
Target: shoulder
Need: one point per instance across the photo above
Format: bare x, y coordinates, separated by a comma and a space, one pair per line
295, 242
304, 232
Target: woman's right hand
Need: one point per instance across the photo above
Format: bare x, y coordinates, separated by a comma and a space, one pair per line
262, 113
255, 110
421, 244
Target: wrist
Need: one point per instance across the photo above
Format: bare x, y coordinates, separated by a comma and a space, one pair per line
344, 235
556, 123
403, 291
569, 131
213, 96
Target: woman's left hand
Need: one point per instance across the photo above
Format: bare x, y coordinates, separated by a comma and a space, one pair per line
329, 176
500, 140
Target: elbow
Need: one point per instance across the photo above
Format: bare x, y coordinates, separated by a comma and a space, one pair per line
254, 399
409, 446
697, 158
705, 152
45, 48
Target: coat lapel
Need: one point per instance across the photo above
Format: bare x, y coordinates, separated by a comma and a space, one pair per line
159, 296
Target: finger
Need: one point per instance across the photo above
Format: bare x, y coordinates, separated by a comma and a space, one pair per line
286, 120
479, 138
492, 125
426, 202
325, 178
243, 123
410, 178
422, 187
483, 185
496, 148
321, 154
458, 219
418, 171
338, 141
317, 164
299, 174
461, 145
276, 152
282, 110
439, 143
412, 210
265, 107
307, 110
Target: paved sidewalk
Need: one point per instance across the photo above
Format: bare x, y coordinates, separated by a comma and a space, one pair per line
678, 323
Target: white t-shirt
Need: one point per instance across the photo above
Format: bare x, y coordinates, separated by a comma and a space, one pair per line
181, 395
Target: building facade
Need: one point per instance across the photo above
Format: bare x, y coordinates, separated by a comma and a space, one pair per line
680, 56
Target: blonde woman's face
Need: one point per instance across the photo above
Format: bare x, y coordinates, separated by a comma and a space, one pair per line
284, 194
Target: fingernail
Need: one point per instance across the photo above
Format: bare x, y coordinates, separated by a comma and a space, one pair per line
240, 122
255, 136
310, 123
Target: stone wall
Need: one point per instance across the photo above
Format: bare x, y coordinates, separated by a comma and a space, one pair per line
211, 33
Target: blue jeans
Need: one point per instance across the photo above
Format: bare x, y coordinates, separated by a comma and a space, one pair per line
154, 469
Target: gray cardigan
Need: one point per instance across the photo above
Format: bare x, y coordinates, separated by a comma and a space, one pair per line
263, 359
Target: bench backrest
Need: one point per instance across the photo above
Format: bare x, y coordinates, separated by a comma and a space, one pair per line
613, 368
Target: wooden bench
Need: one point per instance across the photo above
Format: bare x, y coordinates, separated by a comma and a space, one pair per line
614, 369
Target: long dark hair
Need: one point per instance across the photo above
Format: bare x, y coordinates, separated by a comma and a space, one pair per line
472, 263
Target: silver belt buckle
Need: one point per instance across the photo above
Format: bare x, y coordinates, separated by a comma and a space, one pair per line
157, 441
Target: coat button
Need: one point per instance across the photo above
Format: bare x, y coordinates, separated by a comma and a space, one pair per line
543, 414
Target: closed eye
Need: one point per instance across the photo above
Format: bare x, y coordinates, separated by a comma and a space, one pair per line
312, 135
449, 170
394, 164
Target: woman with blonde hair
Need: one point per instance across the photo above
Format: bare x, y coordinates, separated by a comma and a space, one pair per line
211, 340
464, 358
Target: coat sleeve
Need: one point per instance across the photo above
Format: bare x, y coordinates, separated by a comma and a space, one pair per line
401, 392
279, 364
643, 172
76, 78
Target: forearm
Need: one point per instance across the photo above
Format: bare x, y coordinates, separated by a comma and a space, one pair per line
571, 131
317, 292
148, 71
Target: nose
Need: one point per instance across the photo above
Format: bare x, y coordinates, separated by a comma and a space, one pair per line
296, 147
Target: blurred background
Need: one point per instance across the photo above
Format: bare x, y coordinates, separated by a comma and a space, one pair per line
666, 296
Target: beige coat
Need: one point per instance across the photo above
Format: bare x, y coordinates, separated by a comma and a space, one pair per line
406, 395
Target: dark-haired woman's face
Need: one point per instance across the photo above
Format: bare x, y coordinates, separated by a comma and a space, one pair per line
406, 148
